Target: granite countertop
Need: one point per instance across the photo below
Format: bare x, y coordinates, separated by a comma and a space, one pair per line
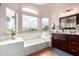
66, 33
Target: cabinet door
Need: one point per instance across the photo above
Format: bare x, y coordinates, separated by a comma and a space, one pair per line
56, 41
63, 42
60, 41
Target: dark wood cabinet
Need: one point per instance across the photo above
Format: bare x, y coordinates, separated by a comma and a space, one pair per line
73, 44
56, 41
67, 42
60, 41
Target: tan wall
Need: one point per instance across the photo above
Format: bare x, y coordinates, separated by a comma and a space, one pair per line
2, 19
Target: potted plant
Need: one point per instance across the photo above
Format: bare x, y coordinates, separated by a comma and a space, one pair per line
12, 33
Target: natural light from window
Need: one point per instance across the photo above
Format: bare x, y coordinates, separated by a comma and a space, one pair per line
10, 18
29, 23
45, 24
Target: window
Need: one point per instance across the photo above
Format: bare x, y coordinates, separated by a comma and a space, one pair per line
45, 24
30, 10
10, 18
29, 23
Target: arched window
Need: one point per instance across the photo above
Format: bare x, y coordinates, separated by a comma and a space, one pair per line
29, 22
30, 10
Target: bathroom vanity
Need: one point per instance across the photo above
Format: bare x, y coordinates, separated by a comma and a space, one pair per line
66, 42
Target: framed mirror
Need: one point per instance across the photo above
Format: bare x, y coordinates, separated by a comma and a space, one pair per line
69, 22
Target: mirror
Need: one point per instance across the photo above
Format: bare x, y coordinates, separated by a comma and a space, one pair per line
68, 22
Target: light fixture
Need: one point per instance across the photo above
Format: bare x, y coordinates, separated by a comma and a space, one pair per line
68, 12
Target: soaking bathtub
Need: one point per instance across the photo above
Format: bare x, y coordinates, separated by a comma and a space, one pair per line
32, 46
33, 43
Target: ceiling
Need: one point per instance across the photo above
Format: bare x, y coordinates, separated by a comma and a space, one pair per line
44, 8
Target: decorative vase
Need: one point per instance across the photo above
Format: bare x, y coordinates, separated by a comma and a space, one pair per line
12, 37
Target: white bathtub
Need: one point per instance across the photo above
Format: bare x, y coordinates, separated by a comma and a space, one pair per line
33, 42
32, 46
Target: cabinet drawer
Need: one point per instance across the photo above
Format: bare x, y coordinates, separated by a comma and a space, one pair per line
73, 38
76, 39
74, 50
75, 43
